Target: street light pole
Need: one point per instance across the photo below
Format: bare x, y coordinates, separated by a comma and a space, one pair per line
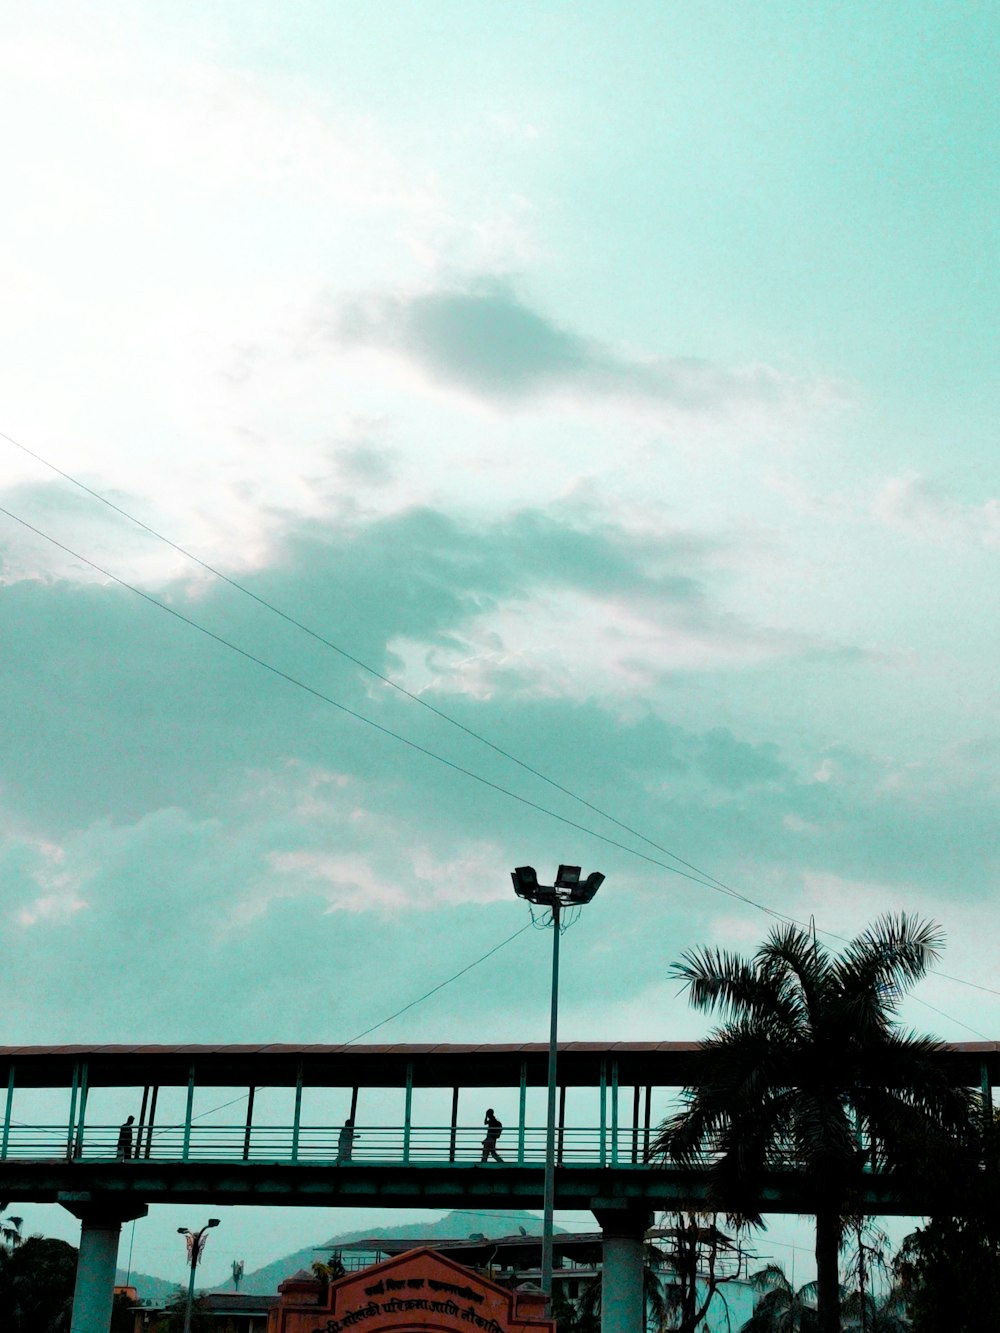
566, 892
549, 1191
196, 1246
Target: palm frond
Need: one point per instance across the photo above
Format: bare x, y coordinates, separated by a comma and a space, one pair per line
717, 981
894, 952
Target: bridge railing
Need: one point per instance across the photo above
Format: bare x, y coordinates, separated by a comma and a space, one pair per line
373, 1144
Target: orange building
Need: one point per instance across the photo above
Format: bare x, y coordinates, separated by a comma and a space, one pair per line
417, 1292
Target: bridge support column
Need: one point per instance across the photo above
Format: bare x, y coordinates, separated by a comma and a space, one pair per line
623, 1303
101, 1224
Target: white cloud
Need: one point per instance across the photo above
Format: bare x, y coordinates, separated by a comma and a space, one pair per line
422, 881
916, 506
51, 908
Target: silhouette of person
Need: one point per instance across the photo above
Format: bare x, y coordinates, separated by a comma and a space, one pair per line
125, 1140
493, 1131
345, 1141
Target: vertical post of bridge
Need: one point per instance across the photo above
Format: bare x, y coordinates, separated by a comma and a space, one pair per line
8, 1107
101, 1224
623, 1301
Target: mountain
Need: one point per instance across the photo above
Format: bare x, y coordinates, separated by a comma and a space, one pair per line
155, 1289
453, 1226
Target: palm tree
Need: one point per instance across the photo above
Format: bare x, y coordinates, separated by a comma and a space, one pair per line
779, 1307
586, 1316
863, 1313
809, 1065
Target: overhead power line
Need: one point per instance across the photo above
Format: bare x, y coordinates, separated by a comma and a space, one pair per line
382, 1022
359, 662
697, 875
378, 726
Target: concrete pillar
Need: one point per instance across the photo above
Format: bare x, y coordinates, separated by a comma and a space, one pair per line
623, 1304
101, 1225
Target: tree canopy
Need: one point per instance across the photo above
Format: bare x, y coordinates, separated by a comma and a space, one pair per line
36, 1286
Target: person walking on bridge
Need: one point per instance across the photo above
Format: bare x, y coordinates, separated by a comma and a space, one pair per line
345, 1141
493, 1131
124, 1151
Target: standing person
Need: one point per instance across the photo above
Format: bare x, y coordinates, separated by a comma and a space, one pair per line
125, 1140
493, 1131
345, 1141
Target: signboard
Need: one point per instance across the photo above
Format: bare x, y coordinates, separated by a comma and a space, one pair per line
417, 1292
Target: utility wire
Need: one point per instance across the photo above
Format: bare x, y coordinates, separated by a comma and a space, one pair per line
357, 661
385, 731
707, 879
434, 989
381, 1024
699, 876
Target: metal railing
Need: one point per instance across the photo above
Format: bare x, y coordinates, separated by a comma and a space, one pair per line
413, 1145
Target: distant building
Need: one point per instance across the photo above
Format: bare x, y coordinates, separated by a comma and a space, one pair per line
503, 1272
419, 1290
230, 1312
514, 1261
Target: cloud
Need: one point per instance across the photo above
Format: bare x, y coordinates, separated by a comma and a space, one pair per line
486, 341
144, 712
914, 505
230, 825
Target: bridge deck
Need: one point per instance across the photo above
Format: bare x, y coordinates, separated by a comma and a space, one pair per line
410, 1163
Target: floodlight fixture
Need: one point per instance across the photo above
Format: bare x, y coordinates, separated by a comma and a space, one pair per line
585, 891
525, 881
567, 891
567, 877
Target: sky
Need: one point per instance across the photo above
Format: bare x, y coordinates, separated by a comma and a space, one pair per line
620, 382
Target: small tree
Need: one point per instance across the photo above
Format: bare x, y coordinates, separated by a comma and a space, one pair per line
948, 1271
122, 1316
36, 1287
586, 1317
693, 1250
10, 1229
779, 1307
328, 1272
861, 1312
201, 1321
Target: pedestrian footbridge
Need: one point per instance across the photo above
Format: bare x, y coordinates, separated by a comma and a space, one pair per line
262, 1125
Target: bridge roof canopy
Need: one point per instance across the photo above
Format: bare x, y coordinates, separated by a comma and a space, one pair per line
434, 1065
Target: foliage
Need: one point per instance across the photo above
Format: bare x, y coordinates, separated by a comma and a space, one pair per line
695, 1280
328, 1272
864, 1313
584, 1315
779, 1308
566, 1315
867, 1270
809, 1065
949, 1270
10, 1229
36, 1287
201, 1321
122, 1315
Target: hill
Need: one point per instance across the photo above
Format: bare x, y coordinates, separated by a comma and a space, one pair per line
156, 1289
453, 1226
